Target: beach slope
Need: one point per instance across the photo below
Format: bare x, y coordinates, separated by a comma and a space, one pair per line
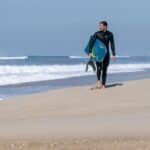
79, 118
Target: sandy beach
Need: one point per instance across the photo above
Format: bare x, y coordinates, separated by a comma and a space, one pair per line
79, 119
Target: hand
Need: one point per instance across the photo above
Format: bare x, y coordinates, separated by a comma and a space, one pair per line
90, 55
113, 58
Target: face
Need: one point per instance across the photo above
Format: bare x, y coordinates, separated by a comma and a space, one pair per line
102, 27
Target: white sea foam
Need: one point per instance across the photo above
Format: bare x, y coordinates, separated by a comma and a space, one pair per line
1, 99
123, 56
78, 57
29, 73
13, 58
82, 57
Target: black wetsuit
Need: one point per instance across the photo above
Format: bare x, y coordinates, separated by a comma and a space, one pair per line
107, 38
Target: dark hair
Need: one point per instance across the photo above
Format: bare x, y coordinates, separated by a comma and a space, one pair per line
104, 23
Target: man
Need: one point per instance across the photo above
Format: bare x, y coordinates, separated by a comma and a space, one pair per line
107, 38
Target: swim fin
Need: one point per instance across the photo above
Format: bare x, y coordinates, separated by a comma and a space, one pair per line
92, 64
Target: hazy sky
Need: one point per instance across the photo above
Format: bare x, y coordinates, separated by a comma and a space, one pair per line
63, 27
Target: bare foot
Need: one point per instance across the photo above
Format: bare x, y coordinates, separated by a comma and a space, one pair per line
99, 84
103, 87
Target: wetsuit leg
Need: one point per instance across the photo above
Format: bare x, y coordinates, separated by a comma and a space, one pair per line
99, 69
105, 65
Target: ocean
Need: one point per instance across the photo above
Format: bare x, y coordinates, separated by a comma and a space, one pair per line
30, 74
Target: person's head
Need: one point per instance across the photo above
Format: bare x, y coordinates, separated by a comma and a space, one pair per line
103, 25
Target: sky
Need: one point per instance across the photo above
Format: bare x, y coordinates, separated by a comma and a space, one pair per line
63, 27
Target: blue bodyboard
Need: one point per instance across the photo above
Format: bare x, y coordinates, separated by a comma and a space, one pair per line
99, 50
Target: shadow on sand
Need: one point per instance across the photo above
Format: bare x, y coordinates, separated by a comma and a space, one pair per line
114, 85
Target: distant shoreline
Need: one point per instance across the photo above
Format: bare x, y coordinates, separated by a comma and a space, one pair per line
42, 86
25, 75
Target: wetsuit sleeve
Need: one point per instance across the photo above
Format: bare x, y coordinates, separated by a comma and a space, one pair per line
92, 41
112, 43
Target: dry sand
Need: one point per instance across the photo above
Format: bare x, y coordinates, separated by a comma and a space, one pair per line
117, 118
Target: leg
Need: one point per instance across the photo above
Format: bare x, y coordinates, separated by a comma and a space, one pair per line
99, 69
104, 71
104, 74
